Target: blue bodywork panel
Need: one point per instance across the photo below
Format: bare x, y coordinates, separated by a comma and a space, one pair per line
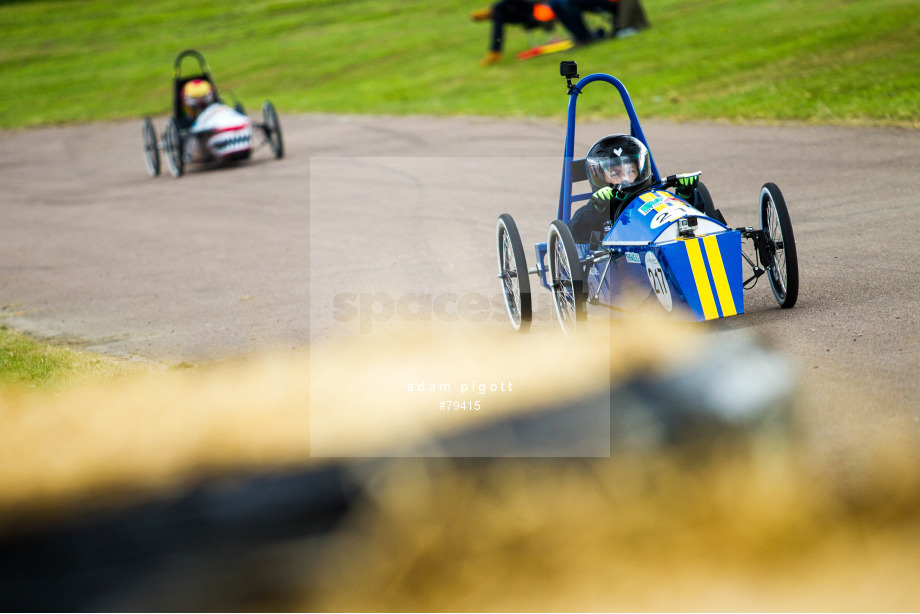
652, 267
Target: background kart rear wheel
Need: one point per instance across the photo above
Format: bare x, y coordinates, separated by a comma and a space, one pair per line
512, 270
566, 277
272, 129
151, 152
777, 227
172, 142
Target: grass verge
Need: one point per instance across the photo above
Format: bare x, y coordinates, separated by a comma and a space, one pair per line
814, 61
29, 364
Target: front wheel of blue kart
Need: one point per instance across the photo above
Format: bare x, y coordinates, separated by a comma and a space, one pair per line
272, 129
566, 278
512, 271
783, 270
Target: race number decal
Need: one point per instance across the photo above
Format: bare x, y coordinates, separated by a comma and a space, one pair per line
658, 281
669, 214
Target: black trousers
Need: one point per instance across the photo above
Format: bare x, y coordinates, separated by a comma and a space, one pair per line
513, 12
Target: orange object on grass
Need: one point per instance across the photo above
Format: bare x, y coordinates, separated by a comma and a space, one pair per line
542, 12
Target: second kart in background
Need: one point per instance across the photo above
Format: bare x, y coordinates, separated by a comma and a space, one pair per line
203, 128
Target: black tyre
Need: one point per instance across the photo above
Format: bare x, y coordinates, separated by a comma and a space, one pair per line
783, 268
272, 129
151, 152
702, 200
566, 277
172, 143
512, 271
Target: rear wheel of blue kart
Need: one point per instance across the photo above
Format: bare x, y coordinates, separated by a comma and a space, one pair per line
272, 129
783, 270
512, 271
709, 207
566, 278
172, 143
151, 152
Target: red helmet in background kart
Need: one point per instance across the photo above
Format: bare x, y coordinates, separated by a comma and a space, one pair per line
197, 95
621, 162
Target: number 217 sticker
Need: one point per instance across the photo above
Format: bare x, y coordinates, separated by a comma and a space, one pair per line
658, 281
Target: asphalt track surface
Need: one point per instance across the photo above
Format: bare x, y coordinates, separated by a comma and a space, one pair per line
371, 221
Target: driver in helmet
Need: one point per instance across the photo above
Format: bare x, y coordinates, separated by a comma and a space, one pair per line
197, 95
619, 168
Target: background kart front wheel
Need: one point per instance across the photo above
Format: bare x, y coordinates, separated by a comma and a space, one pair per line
512, 270
566, 277
272, 129
151, 152
172, 142
783, 271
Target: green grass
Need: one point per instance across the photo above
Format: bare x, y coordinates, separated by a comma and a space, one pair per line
26, 363
820, 61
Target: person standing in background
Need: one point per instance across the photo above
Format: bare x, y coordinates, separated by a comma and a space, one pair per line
530, 14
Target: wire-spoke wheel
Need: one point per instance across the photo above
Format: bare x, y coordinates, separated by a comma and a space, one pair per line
151, 152
566, 277
172, 142
783, 268
512, 271
272, 129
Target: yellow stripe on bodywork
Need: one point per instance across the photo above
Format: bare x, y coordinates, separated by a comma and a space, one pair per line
711, 244
703, 288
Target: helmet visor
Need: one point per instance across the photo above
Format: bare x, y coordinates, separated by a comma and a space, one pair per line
619, 171
197, 95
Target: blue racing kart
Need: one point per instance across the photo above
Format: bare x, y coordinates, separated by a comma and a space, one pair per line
661, 254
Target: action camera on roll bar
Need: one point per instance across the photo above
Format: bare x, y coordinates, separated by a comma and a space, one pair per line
569, 70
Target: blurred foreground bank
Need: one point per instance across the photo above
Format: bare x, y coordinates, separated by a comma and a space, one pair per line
644, 467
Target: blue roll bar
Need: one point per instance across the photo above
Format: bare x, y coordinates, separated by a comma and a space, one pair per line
565, 194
